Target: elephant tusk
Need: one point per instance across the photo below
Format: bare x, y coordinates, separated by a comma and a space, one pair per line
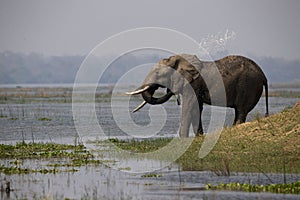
138, 91
139, 107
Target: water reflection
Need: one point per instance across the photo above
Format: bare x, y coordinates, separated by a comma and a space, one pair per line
105, 183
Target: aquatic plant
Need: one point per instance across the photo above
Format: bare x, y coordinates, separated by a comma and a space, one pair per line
19, 170
288, 188
70, 157
151, 175
44, 119
140, 146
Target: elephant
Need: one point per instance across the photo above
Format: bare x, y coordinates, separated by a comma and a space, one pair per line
241, 80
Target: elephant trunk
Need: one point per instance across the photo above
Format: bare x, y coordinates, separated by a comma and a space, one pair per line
148, 97
147, 94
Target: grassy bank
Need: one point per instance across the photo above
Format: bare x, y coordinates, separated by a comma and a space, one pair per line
267, 145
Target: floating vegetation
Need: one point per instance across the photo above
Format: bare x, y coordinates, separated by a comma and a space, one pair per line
57, 157
124, 168
151, 175
289, 188
44, 119
42, 150
13, 118
141, 146
19, 170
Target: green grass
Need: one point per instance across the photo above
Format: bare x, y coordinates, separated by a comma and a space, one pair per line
41, 150
289, 188
59, 157
20, 170
142, 146
44, 119
151, 175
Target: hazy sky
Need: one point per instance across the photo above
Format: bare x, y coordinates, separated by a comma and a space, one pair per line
262, 27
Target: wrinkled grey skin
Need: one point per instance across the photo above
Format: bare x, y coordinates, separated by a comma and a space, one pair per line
196, 81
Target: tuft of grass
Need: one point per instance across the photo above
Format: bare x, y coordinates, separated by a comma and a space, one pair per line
141, 146
44, 119
288, 188
152, 175
19, 170
13, 118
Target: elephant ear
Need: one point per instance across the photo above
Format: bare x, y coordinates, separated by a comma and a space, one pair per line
171, 61
182, 64
188, 70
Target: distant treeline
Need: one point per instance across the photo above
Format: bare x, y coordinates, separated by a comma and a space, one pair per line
19, 68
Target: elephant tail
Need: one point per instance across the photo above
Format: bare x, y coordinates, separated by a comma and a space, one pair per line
266, 96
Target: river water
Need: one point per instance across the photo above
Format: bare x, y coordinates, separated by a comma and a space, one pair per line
54, 122
105, 183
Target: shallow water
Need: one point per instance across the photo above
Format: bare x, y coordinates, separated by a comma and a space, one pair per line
54, 122
104, 183
25, 121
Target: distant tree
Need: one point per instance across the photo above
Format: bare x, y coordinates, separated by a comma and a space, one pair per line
18, 68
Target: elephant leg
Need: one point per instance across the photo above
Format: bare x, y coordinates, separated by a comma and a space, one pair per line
196, 120
190, 113
235, 116
185, 126
186, 118
240, 116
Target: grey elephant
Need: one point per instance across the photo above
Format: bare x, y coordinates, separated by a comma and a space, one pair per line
233, 81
